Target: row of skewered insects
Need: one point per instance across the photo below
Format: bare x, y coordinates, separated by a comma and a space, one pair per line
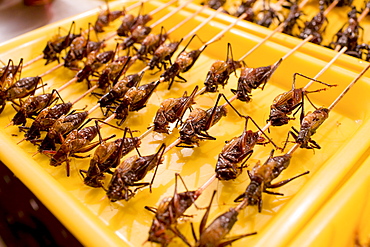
351, 34
66, 135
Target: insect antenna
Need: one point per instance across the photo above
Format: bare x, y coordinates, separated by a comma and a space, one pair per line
203, 222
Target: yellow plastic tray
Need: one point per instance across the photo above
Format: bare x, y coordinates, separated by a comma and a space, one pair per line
343, 221
89, 215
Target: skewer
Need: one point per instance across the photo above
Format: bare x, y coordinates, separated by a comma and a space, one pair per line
219, 35
330, 7
325, 68
51, 70
364, 13
186, 20
202, 24
170, 14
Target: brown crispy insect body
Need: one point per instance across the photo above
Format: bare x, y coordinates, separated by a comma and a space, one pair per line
134, 100
106, 17
119, 90
137, 36
8, 74
252, 78
46, 118
215, 233
22, 88
57, 44
314, 27
75, 142
218, 229
172, 110
94, 61
184, 62
150, 44
31, 106
197, 124
162, 54
170, 209
220, 72
62, 126
129, 173
291, 22
285, 103
246, 7
107, 155
348, 36
310, 123
261, 177
235, 152
112, 71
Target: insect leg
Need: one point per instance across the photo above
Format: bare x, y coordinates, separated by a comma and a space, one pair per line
281, 183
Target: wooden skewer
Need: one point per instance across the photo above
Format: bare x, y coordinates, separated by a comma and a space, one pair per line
202, 24
325, 68
51, 70
220, 34
331, 6
186, 20
364, 13
155, 11
171, 13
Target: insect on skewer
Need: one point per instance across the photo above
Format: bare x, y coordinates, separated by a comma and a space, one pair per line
214, 176
153, 43
162, 79
230, 100
153, 12
285, 103
313, 120
352, 31
277, 164
129, 8
215, 233
185, 60
279, 29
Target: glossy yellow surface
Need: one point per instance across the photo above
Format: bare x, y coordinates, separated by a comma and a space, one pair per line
97, 222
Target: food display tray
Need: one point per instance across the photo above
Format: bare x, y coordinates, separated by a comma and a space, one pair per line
284, 220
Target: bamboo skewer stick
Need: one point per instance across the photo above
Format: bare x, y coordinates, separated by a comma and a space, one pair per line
202, 24
170, 14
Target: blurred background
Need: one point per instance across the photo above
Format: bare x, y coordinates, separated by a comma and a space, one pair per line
18, 16
24, 220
